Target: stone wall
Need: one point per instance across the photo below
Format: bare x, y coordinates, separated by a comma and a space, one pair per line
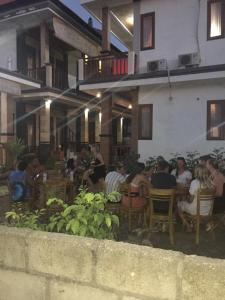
48, 266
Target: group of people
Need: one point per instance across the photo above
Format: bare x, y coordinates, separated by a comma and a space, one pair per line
205, 176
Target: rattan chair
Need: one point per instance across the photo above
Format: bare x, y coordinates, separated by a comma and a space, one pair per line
130, 211
162, 196
204, 195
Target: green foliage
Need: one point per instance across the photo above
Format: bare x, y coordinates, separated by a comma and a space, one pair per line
87, 216
131, 161
15, 148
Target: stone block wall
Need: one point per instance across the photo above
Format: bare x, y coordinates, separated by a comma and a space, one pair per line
49, 266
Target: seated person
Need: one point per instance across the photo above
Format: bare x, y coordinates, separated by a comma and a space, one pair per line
114, 179
136, 179
203, 160
183, 176
162, 180
218, 181
17, 182
201, 181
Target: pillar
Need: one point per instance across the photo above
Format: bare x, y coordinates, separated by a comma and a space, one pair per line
106, 29
98, 119
134, 124
106, 128
137, 30
45, 131
7, 111
120, 130
84, 126
45, 54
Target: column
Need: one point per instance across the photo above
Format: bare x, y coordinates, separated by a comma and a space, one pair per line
106, 29
120, 130
137, 30
84, 126
106, 128
45, 54
98, 119
45, 130
134, 124
7, 114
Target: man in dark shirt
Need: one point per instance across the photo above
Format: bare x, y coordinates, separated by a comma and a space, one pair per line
162, 179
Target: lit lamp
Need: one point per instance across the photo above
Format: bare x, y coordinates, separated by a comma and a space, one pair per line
130, 106
100, 117
86, 111
48, 104
98, 95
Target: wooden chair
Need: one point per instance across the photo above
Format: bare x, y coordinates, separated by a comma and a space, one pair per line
204, 195
162, 196
130, 211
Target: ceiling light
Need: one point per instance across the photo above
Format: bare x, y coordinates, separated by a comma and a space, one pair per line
98, 95
130, 20
130, 106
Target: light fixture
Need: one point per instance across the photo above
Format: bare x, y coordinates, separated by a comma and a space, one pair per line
130, 106
48, 103
86, 111
130, 20
98, 95
100, 116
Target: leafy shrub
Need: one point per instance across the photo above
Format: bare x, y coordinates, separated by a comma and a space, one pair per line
87, 216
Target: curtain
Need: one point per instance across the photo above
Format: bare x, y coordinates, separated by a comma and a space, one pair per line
216, 19
147, 32
216, 120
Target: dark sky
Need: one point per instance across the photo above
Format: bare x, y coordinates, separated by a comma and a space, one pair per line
80, 11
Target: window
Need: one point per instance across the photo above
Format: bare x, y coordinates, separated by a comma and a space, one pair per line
148, 31
216, 19
145, 121
216, 120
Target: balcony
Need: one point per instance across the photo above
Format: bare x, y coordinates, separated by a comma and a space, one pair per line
49, 76
107, 66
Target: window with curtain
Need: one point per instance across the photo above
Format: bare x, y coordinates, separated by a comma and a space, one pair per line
216, 120
216, 19
145, 121
148, 31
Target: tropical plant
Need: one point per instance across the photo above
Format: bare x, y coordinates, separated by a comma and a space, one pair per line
87, 216
15, 148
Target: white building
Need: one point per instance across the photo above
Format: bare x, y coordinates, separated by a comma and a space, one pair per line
174, 72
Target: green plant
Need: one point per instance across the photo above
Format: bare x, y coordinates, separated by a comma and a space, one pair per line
131, 161
86, 217
27, 219
15, 148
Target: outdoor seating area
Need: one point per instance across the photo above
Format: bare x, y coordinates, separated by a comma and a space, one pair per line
184, 211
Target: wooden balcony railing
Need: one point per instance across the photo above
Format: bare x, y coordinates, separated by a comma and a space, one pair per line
105, 66
59, 77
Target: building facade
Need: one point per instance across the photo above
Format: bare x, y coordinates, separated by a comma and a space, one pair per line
174, 71
42, 41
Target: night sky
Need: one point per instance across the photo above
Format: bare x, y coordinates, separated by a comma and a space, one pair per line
81, 12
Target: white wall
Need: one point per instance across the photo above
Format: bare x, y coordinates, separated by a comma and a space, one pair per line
8, 49
180, 125
176, 32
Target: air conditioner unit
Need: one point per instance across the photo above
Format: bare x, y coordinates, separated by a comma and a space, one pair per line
157, 65
190, 59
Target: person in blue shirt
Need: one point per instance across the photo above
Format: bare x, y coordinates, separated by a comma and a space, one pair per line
17, 183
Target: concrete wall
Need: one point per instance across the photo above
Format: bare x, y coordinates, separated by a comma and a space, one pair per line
47, 266
176, 32
180, 124
8, 49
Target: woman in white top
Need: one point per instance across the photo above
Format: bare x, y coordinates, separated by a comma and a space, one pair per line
183, 176
201, 181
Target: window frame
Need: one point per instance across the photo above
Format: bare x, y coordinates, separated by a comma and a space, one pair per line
152, 14
222, 135
222, 36
140, 137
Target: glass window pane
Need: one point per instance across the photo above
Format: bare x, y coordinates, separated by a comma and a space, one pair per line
147, 31
216, 120
216, 19
145, 122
